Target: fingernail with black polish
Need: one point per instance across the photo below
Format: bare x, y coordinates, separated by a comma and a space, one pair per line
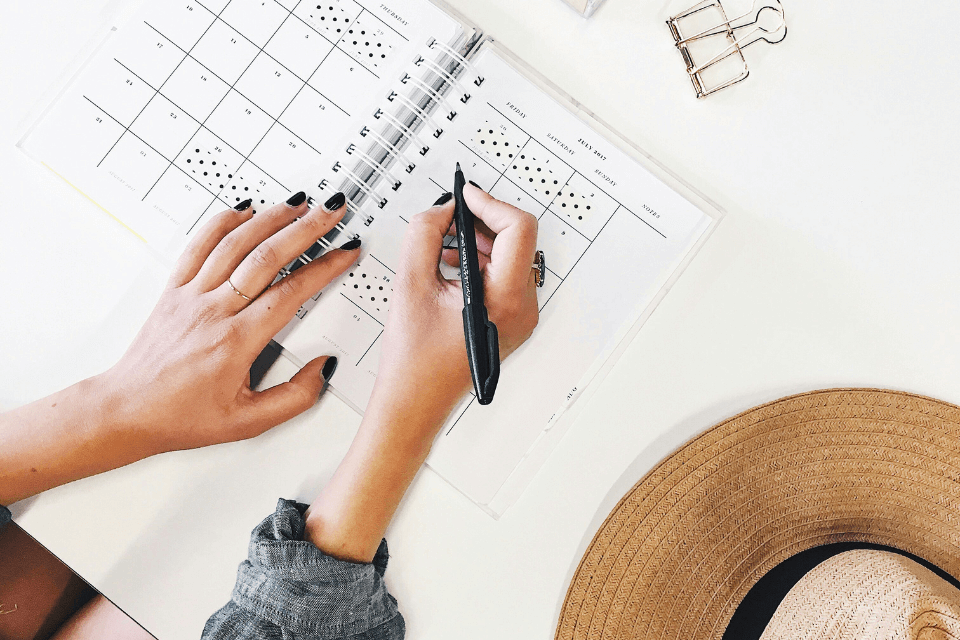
243, 206
335, 201
350, 246
297, 199
329, 367
444, 199
475, 184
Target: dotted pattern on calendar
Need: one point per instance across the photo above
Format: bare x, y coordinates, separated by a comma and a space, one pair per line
221, 100
516, 168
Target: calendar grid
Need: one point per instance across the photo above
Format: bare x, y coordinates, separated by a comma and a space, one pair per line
352, 302
213, 195
202, 122
362, 11
157, 90
151, 147
187, 114
365, 312
262, 52
368, 348
232, 88
502, 175
275, 120
509, 119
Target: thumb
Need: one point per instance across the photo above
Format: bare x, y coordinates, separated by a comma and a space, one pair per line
289, 399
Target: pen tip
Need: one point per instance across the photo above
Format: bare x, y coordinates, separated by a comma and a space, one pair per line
458, 166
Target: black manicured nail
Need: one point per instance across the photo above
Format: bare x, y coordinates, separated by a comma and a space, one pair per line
297, 199
444, 199
475, 184
243, 206
350, 246
329, 367
335, 201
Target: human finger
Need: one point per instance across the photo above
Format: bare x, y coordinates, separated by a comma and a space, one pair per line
261, 265
516, 242
235, 246
485, 237
269, 313
207, 238
452, 258
278, 404
423, 242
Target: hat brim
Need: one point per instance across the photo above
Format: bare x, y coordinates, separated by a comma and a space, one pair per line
679, 552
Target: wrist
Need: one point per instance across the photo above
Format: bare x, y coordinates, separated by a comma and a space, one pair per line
400, 423
115, 417
72, 434
415, 409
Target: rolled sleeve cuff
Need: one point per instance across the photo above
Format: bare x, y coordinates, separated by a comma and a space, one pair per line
288, 586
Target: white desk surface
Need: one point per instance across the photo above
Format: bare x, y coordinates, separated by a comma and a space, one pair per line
837, 162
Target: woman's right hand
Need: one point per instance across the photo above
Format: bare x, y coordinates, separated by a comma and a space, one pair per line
424, 358
423, 367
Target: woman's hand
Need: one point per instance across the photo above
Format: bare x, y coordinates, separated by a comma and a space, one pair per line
423, 366
424, 352
185, 379
184, 382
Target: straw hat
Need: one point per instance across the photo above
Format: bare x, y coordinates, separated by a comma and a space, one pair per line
682, 549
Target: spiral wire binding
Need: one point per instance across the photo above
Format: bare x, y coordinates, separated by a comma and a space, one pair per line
438, 97
415, 109
361, 184
373, 164
440, 71
387, 148
464, 63
408, 133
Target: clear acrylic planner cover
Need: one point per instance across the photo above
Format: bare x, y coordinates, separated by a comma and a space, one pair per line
189, 108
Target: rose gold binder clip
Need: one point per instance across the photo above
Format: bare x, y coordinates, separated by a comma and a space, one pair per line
725, 65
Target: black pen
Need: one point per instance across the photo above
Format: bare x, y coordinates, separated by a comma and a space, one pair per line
483, 345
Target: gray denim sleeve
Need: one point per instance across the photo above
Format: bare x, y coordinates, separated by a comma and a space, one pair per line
289, 589
4, 516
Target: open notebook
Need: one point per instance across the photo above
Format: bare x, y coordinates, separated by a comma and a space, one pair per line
194, 106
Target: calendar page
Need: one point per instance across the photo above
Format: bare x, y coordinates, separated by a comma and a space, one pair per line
613, 235
200, 104
196, 105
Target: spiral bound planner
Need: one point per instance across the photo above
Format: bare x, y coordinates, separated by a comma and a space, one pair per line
189, 108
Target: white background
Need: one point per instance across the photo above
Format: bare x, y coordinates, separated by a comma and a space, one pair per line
837, 265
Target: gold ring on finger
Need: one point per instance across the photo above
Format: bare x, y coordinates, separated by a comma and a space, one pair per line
238, 292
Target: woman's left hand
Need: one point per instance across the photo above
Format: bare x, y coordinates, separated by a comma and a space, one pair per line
184, 382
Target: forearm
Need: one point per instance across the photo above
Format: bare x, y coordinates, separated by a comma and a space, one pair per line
69, 435
351, 514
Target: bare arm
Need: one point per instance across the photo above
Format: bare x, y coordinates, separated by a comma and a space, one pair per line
100, 618
423, 368
184, 382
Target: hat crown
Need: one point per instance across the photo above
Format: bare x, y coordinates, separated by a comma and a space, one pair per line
868, 593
